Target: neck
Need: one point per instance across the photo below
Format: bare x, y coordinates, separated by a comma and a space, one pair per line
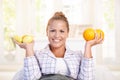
58, 52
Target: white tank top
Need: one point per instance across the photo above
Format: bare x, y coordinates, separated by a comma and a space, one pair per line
61, 67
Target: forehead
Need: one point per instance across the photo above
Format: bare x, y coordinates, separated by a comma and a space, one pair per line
58, 24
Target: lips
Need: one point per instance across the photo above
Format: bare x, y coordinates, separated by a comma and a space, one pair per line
56, 40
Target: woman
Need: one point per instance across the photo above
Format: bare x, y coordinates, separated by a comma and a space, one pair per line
56, 59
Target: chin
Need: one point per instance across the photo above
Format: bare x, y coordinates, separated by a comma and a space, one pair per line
55, 45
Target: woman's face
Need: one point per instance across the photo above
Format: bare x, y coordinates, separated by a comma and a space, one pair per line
57, 33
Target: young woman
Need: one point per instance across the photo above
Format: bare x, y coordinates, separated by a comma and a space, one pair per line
56, 60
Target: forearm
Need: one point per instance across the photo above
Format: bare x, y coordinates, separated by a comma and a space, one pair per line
87, 52
86, 67
31, 69
29, 52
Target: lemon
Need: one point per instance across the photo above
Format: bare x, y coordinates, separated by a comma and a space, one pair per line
18, 38
27, 38
23, 39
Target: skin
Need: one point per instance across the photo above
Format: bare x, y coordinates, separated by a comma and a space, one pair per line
57, 34
28, 48
89, 44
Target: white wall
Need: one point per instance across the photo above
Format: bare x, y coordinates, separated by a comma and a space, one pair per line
117, 30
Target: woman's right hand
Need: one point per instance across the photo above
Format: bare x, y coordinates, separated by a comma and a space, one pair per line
27, 46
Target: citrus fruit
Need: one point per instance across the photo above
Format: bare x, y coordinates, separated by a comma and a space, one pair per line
27, 39
23, 39
100, 33
89, 34
18, 38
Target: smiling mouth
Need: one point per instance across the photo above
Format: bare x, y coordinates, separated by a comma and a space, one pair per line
56, 40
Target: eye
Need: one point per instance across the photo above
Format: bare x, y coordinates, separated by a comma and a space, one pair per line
62, 31
52, 30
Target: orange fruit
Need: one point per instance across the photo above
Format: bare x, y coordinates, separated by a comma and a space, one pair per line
89, 34
100, 32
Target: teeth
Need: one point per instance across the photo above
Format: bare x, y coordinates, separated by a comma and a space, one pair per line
56, 40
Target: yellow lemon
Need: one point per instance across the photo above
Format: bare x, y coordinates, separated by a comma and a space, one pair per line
27, 38
18, 38
89, 34
100, 32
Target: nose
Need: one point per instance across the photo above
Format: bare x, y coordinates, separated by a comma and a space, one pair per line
57, 34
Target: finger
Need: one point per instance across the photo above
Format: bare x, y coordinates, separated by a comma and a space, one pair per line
101, 38
100, 41
96, 36
101, 35
18, 43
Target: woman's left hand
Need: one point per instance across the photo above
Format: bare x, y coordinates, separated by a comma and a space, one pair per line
89, 44
97, 40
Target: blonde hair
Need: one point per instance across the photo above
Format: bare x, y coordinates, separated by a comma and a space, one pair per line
58, 16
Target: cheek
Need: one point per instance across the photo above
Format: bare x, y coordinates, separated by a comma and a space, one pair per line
66, 35
49, 35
